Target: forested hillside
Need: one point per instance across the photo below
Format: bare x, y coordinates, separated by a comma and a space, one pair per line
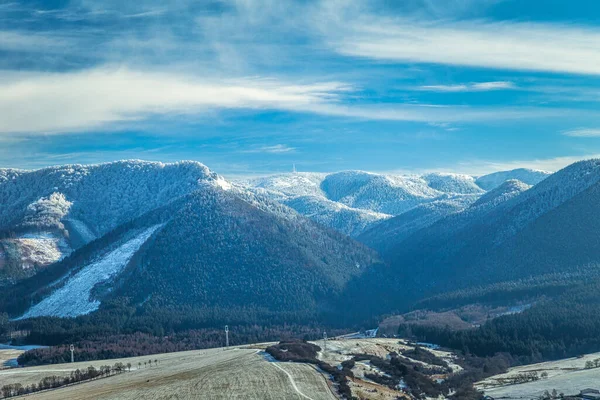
209, 257
566, 326
510, 233
48, 213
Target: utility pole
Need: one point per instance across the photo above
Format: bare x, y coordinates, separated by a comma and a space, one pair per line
324, 341
72, 348
226, 336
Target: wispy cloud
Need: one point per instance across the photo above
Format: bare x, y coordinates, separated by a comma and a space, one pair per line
82, 100
28, 41
470, 87
275, 149
480, 167
435, 114
583, 132
559, 48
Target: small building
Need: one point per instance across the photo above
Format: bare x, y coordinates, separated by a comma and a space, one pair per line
590, 394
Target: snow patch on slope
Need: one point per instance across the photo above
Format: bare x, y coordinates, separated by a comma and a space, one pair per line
74, 298
41, 249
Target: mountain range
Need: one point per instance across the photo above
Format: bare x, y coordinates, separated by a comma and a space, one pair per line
193, 241
289, 247
353, 202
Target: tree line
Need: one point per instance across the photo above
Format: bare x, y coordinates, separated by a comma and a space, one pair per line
53, 382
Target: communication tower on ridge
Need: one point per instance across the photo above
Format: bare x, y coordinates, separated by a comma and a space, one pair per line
226, 336
294, 168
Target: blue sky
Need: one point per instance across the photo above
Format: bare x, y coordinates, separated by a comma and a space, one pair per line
254, 86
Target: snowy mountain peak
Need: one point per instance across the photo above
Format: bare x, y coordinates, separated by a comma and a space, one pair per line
525, 175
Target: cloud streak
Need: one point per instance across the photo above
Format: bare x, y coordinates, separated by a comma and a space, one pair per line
481, 167
86, 100
583, 132
275, 149
557, 48
470, 87
63, 102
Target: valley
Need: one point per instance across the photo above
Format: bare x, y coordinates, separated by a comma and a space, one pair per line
244, 372
462, 261
299, 199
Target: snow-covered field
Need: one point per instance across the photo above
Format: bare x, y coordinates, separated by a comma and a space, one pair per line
73, 298
567, 376
215, 374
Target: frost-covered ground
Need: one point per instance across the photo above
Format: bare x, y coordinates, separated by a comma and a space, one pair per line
39, 249
73, 299
211, 374
567, 376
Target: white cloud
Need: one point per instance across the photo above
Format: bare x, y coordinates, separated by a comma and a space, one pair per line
583, 132
434, 114
559, 48
89, 99
480, 167
79, 101
275, 149
470, 87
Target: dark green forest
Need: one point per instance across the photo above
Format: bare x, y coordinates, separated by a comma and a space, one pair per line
564, 326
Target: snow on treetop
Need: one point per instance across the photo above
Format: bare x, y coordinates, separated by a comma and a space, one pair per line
103, 196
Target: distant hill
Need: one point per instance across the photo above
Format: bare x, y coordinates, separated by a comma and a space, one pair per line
511, 232
525, 175
387, 234
352, 202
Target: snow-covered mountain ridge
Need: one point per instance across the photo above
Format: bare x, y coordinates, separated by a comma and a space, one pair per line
79, 203
49, 213
355, 201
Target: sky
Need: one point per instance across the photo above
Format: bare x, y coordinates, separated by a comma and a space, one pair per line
252, 87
